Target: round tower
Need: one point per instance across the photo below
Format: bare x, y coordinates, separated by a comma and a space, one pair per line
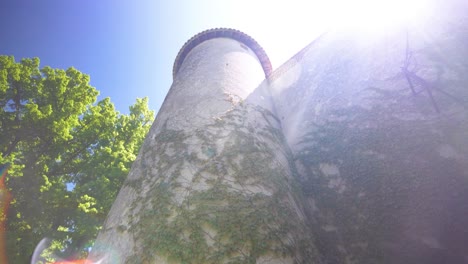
212, 182
246, 42
214, 70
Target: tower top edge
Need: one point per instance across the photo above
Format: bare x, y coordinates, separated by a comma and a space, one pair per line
223, 33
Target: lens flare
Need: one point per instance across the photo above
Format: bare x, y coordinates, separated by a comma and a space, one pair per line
44, 243
81, 261
5, 199
377, 14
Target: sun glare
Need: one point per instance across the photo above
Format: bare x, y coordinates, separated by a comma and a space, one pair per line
376, 14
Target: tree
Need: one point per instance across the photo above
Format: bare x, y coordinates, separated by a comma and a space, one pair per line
69, 155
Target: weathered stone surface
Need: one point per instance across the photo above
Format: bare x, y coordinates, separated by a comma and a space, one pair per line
384, 169
354, 151
213, 182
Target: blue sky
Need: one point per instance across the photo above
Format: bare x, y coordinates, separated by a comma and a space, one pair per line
128, 47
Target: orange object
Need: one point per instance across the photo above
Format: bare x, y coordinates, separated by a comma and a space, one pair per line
5, 199
80, 261
44, 244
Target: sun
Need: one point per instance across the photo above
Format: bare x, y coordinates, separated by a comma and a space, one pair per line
376, 14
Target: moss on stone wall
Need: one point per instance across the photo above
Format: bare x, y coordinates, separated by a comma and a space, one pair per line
366, 169
221, 196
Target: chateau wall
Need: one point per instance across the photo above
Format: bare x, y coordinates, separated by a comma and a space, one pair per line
384, 169
212, 182
354, 151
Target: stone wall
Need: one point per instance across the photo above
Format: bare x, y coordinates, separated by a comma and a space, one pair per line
354, 151
377, 124
212, 182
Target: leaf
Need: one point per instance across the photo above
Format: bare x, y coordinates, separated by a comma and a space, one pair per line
56, 134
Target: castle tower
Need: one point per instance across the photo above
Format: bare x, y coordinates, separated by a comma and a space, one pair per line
212, 182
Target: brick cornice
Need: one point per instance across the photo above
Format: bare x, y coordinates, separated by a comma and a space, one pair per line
223, 33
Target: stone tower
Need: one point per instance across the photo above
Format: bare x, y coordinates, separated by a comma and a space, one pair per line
353, 151
212, 182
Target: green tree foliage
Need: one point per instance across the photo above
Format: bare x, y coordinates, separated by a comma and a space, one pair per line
69, 153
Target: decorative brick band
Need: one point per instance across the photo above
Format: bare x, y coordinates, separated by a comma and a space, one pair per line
223, 33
